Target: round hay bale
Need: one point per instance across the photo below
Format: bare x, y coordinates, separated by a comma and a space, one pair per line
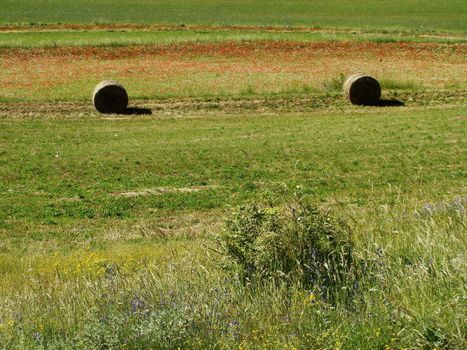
110, 97
362, 89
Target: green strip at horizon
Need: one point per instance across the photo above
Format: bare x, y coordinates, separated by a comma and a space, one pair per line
40, 39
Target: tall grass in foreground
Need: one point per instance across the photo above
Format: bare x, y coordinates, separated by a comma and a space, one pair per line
410, 294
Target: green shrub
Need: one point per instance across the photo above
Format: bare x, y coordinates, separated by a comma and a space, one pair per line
298, 244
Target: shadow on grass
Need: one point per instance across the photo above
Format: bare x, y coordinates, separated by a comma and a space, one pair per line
388, 103
137, 111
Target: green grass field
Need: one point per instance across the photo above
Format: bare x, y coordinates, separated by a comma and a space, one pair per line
56, 167
113, 227
421, 15
81, 194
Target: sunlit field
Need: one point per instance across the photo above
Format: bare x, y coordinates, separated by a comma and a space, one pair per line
240, 202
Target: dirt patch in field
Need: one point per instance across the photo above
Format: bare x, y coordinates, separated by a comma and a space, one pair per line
162, 190
74, 199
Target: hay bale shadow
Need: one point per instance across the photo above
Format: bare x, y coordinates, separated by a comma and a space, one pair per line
137, 111
388, 103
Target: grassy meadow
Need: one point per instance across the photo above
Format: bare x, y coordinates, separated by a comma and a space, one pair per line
229, 68
27, 37
241, 202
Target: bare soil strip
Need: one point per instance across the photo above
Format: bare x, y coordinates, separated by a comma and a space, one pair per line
162, 190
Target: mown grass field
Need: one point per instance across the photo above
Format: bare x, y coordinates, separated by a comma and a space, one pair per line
110, 225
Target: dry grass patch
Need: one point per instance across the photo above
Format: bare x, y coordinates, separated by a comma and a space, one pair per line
163, 190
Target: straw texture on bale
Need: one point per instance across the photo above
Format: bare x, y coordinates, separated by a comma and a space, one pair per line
362, 89
110, 97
